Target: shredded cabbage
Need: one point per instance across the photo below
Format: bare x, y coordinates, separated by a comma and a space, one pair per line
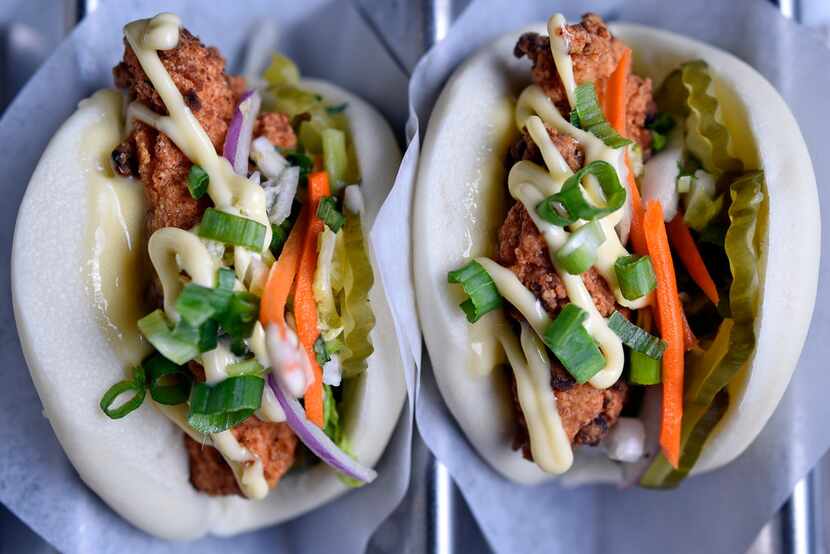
328, 282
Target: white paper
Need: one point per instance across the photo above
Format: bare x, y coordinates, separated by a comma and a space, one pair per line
328, 40
718, 512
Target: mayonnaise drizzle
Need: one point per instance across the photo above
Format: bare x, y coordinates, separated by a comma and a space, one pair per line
174, 250
549, 444
560, 49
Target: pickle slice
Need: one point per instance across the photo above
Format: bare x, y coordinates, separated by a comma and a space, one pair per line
698, 423
709, 373
686, 92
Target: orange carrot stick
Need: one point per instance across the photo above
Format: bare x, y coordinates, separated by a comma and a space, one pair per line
686, 249
671, 330
615, 98
305, 307
281, 276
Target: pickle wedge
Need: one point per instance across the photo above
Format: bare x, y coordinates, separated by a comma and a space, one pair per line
698, 423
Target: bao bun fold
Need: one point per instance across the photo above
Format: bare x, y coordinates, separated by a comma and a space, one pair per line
461, 201
138, 465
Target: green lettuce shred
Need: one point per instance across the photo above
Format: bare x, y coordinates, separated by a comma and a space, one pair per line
685, 92
341, 287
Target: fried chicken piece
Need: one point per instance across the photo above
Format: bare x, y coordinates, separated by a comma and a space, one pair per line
595, 54
273, 443
525, 149
276, 127
199, 74
587, 413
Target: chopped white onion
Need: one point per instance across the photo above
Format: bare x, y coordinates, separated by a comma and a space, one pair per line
353, 199
286, 187
660, 176
626, 440
333, 371
268, 160
314, 437
289, 361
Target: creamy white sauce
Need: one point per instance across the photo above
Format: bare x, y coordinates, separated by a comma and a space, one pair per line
549, 444
114, 237
560, 49
175, 250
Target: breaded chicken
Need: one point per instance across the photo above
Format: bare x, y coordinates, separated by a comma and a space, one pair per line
199, 74
595, 54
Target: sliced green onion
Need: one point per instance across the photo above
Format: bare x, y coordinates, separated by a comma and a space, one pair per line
574, 119
328, 212
579, 252
568, 339
636, 338
592, 119
483, 295
197, 181
232, 229
226, 278
169, 383
339, 108
301, 160
203, 336
660, 127
219, 407
137, 385
238, 347
644, 370
241, 315
245, 367
571, 200
635, 275
196, 304
335, 159
320, 351
171, 345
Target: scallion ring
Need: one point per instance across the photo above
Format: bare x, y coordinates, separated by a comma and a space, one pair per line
579, 252
635, 275
592, 119
636, 338
137, 385
219, 407
479, 286
232, 229
197, 181
644, 370
328, 212
169, 383
570, 342
179, 347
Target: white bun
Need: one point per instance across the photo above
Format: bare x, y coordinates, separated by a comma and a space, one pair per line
138, 464
460, 201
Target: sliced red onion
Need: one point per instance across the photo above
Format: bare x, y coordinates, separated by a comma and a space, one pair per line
240, 131
316, 440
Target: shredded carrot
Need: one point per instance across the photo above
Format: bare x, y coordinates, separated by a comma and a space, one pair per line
615, 93
281, 276
305, 307
686, 249
671, 330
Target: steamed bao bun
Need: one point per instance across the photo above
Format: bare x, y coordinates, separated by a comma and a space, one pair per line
468, 182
